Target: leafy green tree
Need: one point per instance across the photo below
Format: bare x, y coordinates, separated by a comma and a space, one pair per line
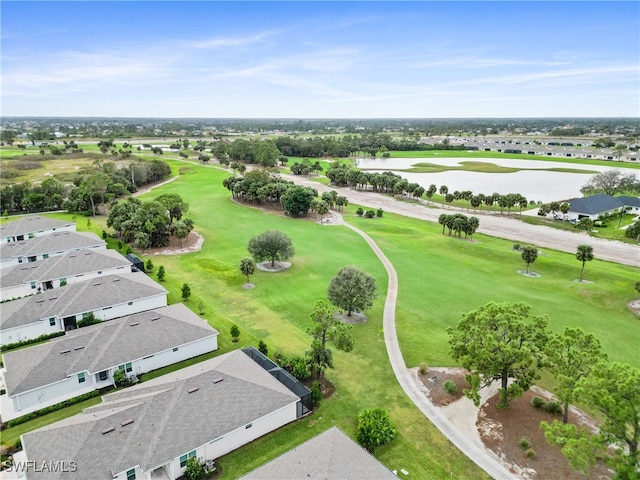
571, 356
529, 253
149, 266
352, 290
181, 230
374, 428
320, 207
174, 205
326, 328
584, 255
235, 333
120, 378
247, 267
267, 153
296, 200
271, 245
495, 342
613, 391
611, 182
161, 273
186, 292
633, 231
194, 469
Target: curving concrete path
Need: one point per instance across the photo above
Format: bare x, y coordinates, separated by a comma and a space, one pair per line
466, 445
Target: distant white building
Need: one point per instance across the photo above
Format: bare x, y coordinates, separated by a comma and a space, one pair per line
601, 204
71, 267
32, 226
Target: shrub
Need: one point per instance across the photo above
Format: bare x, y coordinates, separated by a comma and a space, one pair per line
262, 347
41, 338
379, 213
160, 273
554, 408
537, 402
516, 247
194, 470
316, 394
88, 319
374, 428
422, 369
370, 214
149, 266
235, 333
524, 443
52, 408
530, 453
450, 387
359, 211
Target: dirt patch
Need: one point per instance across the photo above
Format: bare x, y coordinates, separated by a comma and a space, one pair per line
634, 306
529, 274
192, 243
500, 431
276, 267
353, 319
433, 379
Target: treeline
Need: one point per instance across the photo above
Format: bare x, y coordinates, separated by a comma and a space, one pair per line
259, 187
459, 224
150, 224
102, 183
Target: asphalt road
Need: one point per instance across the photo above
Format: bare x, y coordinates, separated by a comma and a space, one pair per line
491, 224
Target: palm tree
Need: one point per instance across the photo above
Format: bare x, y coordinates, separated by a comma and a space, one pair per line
584, 255
529, 255
247, 267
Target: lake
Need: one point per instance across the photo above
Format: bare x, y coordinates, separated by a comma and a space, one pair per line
540, 185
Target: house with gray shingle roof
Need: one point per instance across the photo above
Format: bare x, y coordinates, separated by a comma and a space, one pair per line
150, 430
31, 226
86, 358
39, 248
601, 204
71, 267
59, 310
332, 455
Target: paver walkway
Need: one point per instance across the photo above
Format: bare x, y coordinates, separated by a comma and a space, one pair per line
478, 455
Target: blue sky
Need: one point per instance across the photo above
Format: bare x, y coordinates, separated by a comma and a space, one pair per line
320, 59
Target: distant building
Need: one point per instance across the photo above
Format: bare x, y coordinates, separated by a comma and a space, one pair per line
33, 226
601, 204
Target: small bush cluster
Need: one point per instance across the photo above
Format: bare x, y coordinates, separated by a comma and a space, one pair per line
554, 408
295, 365
450, 387
316, 394
422, 369
524, 443
52, 408
537, 402
90, 319
530, 453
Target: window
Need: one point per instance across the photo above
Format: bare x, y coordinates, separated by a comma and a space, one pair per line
99, 272
131, 474
33, 285
46, 255
128, 367
183, 458
19, 259
130, 303
81, 378
52, 322
31, 235
102, 375
175, 349
121, 368
248, 425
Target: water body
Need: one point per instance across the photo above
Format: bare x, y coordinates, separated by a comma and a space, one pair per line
543, 186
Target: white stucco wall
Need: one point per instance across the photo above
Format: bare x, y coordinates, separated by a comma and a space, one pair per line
169, 357
26, 332
51, 394
124, 309
39, 233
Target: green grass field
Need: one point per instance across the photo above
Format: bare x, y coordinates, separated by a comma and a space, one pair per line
440, 278
482, 167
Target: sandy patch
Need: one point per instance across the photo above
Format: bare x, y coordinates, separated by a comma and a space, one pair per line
276, 267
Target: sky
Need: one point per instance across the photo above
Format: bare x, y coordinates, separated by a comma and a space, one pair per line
332, 59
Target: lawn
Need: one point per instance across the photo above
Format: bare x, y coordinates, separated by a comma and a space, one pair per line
440, 278
481, 167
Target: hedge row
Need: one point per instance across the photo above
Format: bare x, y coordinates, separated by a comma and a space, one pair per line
41, 338
52, 408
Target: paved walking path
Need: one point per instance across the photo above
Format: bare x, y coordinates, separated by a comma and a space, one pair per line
478, 455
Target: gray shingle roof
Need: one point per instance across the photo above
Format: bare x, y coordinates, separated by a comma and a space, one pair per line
629, 201
105, 345
62, 266
79, 298
31, 224
595, 204
51, 243
167, 420
332, 455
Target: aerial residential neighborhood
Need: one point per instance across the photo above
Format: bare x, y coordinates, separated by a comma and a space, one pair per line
329, 240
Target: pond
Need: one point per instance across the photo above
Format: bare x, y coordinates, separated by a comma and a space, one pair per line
542, 185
